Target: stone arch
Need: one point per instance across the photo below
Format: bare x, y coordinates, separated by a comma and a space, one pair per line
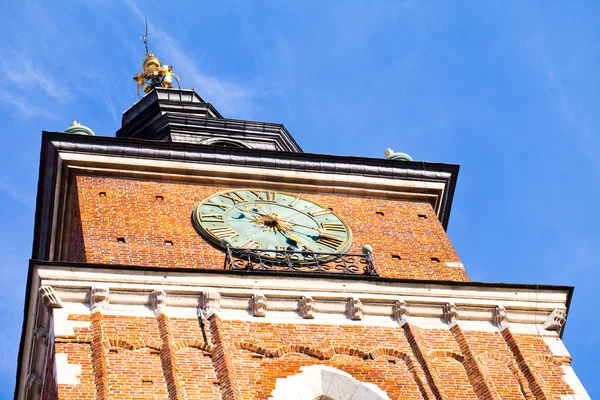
323, 382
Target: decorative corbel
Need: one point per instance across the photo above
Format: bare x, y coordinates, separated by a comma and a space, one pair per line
450, 314
500, 317
40, 334
355, 309
98, 299
307, 307
35, 383
210, 303
158, 301
50, 297
259, 305
556, 320
400, 312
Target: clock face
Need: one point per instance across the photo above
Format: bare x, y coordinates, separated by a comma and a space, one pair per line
270, 220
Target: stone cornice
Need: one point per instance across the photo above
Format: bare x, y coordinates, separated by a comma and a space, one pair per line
526, 308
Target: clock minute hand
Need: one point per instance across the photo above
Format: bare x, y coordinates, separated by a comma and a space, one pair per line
304, 226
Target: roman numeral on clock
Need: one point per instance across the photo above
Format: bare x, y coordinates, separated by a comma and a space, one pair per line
333, 226
234, 197
330, 241
322, 211
223, 231
208, 217
265, 195
223, 207
251, 244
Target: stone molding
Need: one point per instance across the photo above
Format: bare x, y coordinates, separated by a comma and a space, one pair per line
339, 300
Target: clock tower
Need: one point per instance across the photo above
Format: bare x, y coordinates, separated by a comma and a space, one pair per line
194, 256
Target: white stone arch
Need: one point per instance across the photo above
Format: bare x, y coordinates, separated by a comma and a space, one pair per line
319, 382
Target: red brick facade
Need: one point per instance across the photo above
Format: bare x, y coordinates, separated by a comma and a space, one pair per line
407, 238
244, 360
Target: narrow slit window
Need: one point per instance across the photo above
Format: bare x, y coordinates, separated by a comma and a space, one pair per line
169, 243
159, 197
120, 240
422, 216
435, 259
102, 194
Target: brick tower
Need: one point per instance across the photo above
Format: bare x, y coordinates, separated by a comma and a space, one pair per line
198, 257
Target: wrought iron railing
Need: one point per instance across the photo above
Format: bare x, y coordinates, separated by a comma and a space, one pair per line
300, 261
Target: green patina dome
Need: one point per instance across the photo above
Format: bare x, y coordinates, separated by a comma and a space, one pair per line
77, 129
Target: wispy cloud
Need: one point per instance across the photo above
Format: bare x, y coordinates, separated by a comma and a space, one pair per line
19, 70
23, 107
229, 96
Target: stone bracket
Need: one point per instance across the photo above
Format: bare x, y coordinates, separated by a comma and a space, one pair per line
450, 314
354, 308
259, 305
49, 297
158, 301
307, 307
99, 298
556, 320
400, 312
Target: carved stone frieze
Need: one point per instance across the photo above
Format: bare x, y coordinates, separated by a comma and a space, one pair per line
50, 297
259, 305
98, 298
450, 314
400, 312
354, 308
210, 303
556, 320
500, 317
158, 301
307, 307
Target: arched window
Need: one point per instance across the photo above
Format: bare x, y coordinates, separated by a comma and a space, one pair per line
320, 382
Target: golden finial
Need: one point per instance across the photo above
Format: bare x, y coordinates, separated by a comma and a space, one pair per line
388, 152
154, 72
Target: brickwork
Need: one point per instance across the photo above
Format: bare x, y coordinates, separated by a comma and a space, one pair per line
408, 239
76, 250
243, 360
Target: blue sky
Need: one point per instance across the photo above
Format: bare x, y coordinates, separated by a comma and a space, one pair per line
508, 90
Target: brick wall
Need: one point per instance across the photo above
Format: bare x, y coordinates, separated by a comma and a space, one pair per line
129, 209
407, 363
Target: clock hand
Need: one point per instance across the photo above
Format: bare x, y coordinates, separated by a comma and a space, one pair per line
294, 238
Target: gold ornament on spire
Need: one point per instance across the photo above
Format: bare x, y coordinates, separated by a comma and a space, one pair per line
154, 72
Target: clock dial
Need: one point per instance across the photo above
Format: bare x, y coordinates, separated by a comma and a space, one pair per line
270, 220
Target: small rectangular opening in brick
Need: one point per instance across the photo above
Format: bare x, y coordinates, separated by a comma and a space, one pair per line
120, 240
379, 212
422, 216
102, 194
435, 259
168, 243
147, 381
396, 256
158, 197
392, 361
256, 356
330, 208
115, 351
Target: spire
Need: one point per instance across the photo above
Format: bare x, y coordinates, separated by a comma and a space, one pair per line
154, 73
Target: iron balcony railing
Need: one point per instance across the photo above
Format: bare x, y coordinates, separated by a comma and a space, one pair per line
300, 261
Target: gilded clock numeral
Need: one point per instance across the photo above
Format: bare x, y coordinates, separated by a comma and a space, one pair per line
294, 201
322, 211
251, 244
333, 226
208, 217
235, 197
223, 207
265, 195
223, 231
330, 241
